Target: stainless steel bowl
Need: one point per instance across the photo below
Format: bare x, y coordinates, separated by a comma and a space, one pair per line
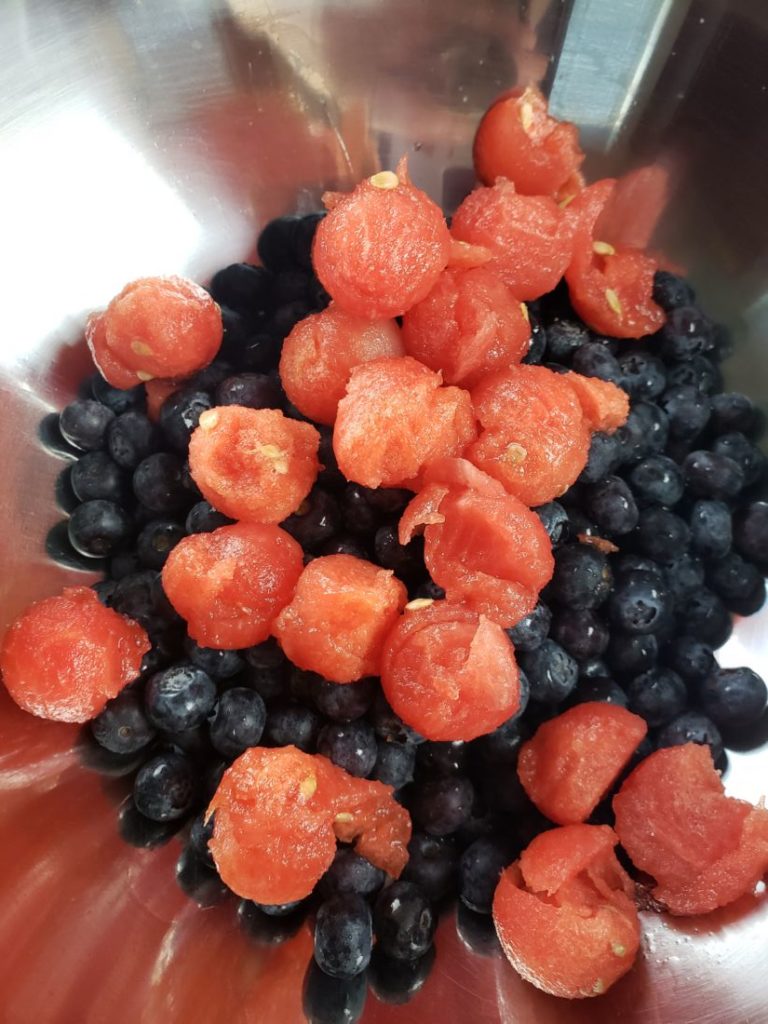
153, 136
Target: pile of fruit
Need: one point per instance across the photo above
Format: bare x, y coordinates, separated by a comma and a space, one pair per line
418, 543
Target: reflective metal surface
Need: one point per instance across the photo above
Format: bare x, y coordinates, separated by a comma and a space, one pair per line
157, 136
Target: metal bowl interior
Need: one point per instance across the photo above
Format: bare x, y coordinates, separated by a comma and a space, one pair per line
153, 138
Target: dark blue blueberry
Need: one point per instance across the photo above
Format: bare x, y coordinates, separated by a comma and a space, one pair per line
269, 683
95, 476
277, 243
242, 287
301, 684
591, 668
710, 475
698, 372
688, 410
625, 562
199, 880
330, 475
156, 541
642, 375
692, 727
580, 632
480, 868
97, 528
582, 577
432, 865
602, 690
350, 872
139, 596
122, 726
429, 590
739, 585
705, 617
554, 519
395, 764
639, 603
404, 921
316, 520
84, 424
596, 360
733, 413
165, 787
441, 758
733, 696
687, 333
351, 745
605, 455
268, 654
406, 560
203, 518
711, 529
166, 648
532, 630
209, 378
138, 830
645, 432
179, 698
692, 659
292, 286
551, 672
441, 805
180, 414
285, 317
538, 344
657, 695
200, 835
656, 480
750, 532
397, 981
661, 534
611, 506
132, 437
564, 337
358, 515
292, 724
158, 483
104, 591
215, 663
117, 399
272, 930
683, 577
280, 909
252, 390
503, 744
388, 725
345, 545
328, 1000
343, 702
739, 449
671, 291
260, 353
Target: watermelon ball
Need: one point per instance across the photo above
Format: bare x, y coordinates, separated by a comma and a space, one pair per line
565, 913
534, 437
322, 350
66, 656
342, 609
255, 465
279, 813
530, 237
474, 533
382, 247
394, 419
704, 849
230, 584
518, 139
155, 327
469, 325
448, 672
573, 759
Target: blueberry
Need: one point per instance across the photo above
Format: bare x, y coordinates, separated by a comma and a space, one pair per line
441, 805
551, 672
104, 589
209, 378
740, 450
687, 409
538, 343
480, 868
357, 514
687, 332
554, 519
639, 603
692, 659
671, 291
252, 390
276, 245
750, 532
441, 758
397, 981
242, 287
605, 455
432, 865
395, 764
268, 654
179, 698
429, 590
118, 399
139, 831
140, 597
97, 528
406, 560
156, 541
351, 873
692, 727
733, 413
625, 562
711, 528
645, 432
200, 835
132, 437
611, 505
218, 664
124, 563
260, 353
198, 879
343, 935
180, 415
661, 534
657, 695
316, 520
698, 372
564, 337
596, 360
404, 921
503, 744
733, 696
388, 725
269, 683
601, 690
272, 930
291, 724
532, 630
642, 375
203, 518
705, 617
165, 787
739, 585
343, 702
328, 1000
352, 746
582, 577
280, 909
683, 577
158, 483
710, 475
84, 424
285, 318
122, 726
656, 480
594, 667
580, 632
95, 476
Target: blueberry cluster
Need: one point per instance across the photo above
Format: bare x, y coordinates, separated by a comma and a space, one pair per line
663, 537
